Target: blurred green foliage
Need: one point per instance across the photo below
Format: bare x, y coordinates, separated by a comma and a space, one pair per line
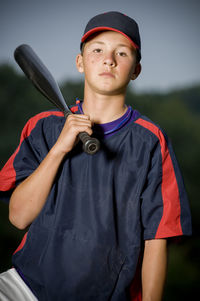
177, 112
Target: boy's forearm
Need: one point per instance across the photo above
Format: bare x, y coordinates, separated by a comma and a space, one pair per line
29, 197
154, 269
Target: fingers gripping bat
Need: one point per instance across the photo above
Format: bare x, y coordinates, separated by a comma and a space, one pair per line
42, 79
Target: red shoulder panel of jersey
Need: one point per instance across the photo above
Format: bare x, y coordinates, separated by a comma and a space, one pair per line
8, 174
170, 224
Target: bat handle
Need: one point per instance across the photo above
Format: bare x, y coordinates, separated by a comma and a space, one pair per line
91, 145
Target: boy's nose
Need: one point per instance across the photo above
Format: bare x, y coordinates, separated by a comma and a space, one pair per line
109, 60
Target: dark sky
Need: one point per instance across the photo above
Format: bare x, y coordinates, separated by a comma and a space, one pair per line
169, 33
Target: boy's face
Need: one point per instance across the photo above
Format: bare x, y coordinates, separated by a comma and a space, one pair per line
109, 63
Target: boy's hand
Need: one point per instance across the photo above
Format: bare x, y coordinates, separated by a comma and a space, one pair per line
74, 125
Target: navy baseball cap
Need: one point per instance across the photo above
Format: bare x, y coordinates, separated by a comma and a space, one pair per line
114, 21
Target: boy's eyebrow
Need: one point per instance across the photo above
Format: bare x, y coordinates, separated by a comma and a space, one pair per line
97, 42
123, 45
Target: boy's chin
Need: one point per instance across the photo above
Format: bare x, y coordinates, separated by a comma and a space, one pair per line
112, 92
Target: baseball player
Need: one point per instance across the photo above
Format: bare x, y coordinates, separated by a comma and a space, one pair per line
97, 226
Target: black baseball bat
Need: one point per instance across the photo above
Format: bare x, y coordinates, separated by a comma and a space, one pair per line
42, 79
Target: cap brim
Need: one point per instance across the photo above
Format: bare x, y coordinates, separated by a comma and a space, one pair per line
102, 28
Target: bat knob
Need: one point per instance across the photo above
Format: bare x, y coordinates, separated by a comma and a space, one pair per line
90, 144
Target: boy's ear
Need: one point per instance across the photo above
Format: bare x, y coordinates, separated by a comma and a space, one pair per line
79, 63
137, 71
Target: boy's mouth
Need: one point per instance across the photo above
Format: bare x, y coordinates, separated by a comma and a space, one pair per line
108, 74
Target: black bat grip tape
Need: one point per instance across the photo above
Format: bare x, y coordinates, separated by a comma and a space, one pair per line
91, 145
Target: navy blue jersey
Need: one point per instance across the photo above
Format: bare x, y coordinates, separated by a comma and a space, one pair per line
87, 240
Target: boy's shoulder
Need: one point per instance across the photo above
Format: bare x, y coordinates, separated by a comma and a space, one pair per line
148, 124
52, 113
45, 118
147, 128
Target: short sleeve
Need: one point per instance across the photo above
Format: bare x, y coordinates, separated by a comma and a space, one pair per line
165, 208
35, 142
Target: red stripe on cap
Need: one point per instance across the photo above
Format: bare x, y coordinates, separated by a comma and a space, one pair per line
170, 224
21, 244
8, 173
97, 29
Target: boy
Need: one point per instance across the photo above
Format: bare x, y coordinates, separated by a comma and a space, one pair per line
97, 224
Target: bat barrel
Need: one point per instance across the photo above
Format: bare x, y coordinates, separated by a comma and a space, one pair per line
42, 79
39, 75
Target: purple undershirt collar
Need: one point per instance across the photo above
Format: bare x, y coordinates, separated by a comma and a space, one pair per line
108, 129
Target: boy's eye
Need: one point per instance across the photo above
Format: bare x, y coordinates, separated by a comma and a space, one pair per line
97, 50
121, 53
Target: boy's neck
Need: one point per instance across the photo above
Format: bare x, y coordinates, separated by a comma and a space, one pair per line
104, 108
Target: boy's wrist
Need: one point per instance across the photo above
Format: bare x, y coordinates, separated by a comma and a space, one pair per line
57, 153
